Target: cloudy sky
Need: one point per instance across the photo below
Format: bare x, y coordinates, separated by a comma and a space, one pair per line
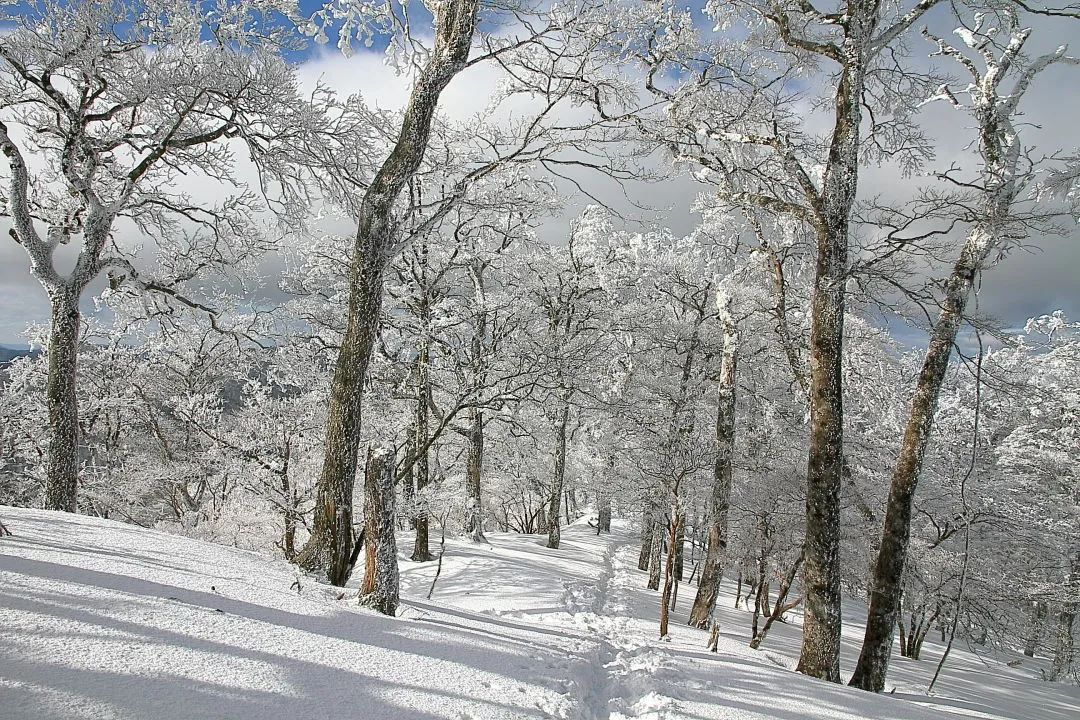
1038, 279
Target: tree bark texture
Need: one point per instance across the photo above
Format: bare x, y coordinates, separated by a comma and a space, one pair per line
712, 573
1039, 611
1064, 643
559, 476
669, 568
327, 550
603, 519
820, 652
381, 586
421, 470
656, 544
648, 527
62, 466
474, 522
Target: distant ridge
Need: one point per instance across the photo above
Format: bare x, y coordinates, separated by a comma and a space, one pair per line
10, 353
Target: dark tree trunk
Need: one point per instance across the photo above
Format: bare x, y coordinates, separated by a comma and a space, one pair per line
559, 476
680, 545
655, 548
820, 653
781, 605
328, 549
886, 583
1039, 611
648, 527
669, 568
1064, 643
474, 523
712, 573
381, 584
290, 503
603, 520
1000, 155
421, 470
62, 464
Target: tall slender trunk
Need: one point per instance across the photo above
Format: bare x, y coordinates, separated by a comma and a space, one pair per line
886, 584
712, 573
474, 522
820, 653
62, 465
558, 478
680, 547
421, 470
1039, 612
655, 547
604, 517
1000, 155
1064, 642
289, 500
328, 549
648, 527
669, 568
381, 587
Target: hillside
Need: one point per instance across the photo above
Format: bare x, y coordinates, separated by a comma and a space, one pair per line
104, 620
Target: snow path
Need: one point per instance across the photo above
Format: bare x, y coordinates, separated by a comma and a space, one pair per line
104, 620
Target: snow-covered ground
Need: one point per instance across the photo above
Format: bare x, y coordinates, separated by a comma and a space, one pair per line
104, 620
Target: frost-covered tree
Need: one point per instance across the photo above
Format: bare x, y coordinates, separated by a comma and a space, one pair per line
999, 77
548, 60
104, 107
762, 157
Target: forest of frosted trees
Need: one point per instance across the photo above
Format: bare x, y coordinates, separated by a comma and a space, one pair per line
296, 321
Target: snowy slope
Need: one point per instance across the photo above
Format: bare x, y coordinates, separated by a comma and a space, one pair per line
104, 620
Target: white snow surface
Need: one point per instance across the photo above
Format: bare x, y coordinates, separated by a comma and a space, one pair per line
104, 620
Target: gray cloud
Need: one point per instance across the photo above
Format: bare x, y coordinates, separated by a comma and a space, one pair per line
1027, 283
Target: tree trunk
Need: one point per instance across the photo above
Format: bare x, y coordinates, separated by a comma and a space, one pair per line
289, 501
1000, 154
820, 653
421, 470
781, 605
559, 476
328, 549
669, 568
886, 583
62, 465
655, 547
381, 584
1039, 612
712, 573
1064, 646
474, 523
648, 527
680, 544
603, 519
